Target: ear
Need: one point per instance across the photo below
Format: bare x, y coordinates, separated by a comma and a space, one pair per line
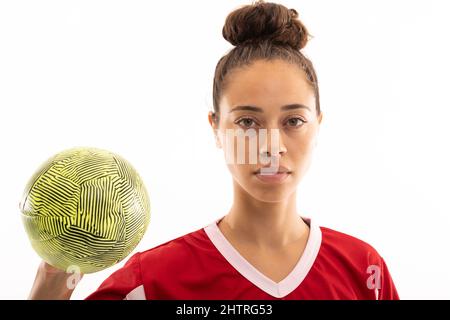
319, 120
319, 117
212, 121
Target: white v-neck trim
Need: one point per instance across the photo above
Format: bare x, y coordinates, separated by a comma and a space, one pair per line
275, 289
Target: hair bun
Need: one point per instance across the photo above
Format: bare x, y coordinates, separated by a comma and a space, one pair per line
265, 21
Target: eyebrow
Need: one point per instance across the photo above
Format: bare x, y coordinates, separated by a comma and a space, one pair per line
283, 108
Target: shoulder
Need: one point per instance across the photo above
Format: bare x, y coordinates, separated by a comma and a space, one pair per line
350, 258
174, 252
144, 268
340, 243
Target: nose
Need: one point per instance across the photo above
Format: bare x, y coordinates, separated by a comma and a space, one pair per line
273, 148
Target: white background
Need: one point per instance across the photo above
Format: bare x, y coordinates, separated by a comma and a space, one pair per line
135, 77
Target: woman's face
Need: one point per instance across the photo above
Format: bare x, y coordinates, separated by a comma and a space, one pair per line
252, 101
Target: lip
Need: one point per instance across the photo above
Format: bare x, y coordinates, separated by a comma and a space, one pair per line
272, 178
281, 169
269, 177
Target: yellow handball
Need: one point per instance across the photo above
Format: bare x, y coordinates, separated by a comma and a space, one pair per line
85, 209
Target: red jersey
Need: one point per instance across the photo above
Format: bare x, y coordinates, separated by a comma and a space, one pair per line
204, 265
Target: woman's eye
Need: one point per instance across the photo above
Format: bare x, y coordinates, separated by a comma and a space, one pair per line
246, 122
295, 122
249, 123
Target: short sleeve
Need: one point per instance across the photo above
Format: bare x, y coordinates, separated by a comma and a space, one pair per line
388, 290
123, 284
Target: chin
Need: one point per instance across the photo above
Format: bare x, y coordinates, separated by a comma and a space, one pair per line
264, 192
270, 193
270, 197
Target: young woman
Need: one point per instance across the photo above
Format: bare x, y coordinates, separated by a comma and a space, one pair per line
262, 248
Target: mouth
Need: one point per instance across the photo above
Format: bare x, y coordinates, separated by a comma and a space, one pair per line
270, 176
270, 171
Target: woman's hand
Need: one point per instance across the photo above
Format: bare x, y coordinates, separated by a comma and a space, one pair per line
53, 284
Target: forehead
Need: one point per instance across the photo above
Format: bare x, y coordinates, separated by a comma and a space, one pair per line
267, 84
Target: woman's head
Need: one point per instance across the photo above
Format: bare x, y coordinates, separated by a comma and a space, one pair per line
267, 88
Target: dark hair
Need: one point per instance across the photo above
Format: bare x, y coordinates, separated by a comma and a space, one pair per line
263, 31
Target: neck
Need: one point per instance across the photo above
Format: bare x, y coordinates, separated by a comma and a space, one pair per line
264, 224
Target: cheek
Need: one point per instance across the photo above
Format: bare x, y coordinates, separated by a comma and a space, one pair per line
302, 159
301, 149
241, 152
241, 175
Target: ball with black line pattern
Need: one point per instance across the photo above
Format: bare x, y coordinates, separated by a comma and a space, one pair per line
86, 208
